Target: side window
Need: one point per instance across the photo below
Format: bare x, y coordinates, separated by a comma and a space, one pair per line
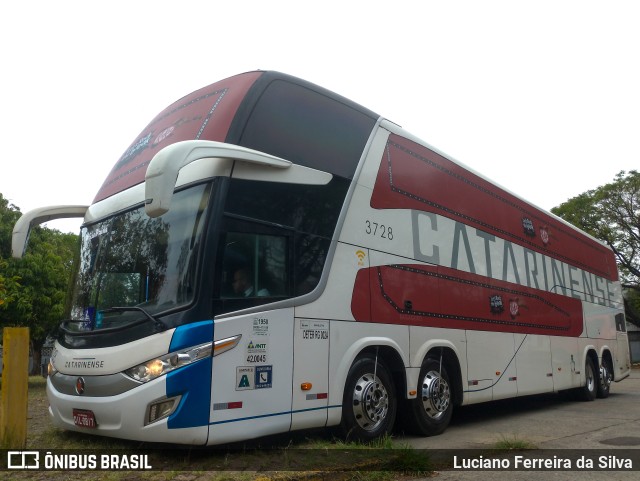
311, 254
254, 266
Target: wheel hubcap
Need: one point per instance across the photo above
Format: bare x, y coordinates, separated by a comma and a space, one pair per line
436, 395
370, 402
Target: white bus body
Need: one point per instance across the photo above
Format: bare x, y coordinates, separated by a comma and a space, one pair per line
317, 265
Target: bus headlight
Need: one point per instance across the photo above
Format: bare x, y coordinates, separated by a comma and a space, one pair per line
160, 366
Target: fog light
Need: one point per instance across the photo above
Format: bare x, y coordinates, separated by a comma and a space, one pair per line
161, 409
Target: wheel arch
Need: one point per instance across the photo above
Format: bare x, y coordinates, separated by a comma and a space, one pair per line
593, 355
369, 407
393, 361
607, 355
388, 350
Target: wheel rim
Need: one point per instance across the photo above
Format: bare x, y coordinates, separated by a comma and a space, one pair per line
591, 385
436, 395
605, 375
370, 402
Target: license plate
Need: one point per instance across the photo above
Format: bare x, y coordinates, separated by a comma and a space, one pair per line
84, 418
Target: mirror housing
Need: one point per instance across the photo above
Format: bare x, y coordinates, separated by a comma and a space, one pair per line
39, 216
162, 173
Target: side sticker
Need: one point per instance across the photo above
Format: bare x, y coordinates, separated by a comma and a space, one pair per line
257, 352
264, 375
315, 330
245, 378
254, 377
260, 326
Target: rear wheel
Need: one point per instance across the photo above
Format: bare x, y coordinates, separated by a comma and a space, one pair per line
430, 412
588, 391
369, 401
605, 378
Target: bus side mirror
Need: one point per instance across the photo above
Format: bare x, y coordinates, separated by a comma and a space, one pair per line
38, 216
162, 173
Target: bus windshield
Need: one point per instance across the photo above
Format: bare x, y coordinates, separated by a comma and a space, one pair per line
133, 261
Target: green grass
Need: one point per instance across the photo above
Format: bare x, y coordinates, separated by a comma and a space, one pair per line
279, 458
381, 459
513, 444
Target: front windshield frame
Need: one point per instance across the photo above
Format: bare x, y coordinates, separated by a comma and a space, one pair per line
147, 265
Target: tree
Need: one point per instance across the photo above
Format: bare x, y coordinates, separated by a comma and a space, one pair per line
9, 285
611, 213
9, 214
35, 287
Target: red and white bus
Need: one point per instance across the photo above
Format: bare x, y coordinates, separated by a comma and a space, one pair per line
269, 256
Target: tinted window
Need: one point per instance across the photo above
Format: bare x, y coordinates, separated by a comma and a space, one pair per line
275, 240
254, 265
262, 264
309, 211
313, 209
307, 128
310, 256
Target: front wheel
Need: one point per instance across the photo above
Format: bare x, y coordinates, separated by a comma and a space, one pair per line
430, 412
369, 401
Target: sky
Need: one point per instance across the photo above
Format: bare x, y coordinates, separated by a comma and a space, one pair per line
542, 97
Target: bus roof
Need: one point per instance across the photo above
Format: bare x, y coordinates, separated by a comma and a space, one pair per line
267, 111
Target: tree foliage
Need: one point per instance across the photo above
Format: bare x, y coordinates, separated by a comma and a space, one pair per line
9, 286
611, 213
33, 290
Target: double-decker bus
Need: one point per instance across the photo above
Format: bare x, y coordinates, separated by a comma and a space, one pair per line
269, 256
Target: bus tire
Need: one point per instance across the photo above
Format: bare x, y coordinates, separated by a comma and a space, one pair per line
605, 378
588, 391
369, 402
430, 412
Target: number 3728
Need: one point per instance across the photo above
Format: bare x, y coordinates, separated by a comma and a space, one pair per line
378, 230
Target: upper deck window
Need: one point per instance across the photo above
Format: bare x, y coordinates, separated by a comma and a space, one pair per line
308, 128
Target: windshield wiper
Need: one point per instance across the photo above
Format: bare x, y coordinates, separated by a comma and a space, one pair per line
161, 326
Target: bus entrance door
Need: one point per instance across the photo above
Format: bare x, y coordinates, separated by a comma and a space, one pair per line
310, 374
251, 383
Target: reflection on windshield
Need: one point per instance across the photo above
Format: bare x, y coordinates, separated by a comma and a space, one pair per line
134, 260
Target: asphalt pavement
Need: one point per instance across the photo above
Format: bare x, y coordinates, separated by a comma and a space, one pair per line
603, 431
